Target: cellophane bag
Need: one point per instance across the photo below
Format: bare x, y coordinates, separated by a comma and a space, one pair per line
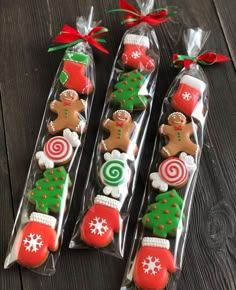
38, 230
162, 226
109, 191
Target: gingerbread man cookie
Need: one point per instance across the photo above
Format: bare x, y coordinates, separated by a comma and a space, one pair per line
67, 109
120, 128
179, 133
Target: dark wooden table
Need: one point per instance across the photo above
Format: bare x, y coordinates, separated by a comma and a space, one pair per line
26, 74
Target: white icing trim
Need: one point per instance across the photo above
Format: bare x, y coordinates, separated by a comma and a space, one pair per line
107, 201
193, 82
43, 219
155, 242
137, 40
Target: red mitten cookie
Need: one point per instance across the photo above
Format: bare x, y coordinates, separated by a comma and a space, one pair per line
188, 94
179, 134
101, 221
36, 239
135, 52
121, 129
67, 109
152, 263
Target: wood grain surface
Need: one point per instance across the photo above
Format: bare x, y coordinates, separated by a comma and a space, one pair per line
27, 70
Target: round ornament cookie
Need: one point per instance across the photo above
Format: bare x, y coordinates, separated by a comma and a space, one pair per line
115, 174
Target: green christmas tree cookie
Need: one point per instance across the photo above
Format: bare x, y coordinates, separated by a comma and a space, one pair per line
164, 216
50, 192
127, 91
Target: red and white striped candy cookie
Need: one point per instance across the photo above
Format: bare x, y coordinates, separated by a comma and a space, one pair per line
58, 149
174, 172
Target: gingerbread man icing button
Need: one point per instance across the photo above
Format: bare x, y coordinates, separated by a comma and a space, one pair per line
67, 109
179, 133
120, 129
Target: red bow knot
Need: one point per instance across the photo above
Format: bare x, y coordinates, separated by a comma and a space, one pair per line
69, 36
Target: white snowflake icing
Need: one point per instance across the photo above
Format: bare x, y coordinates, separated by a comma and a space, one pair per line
98, 226
33, 242
187, 96
151, 265
136, 54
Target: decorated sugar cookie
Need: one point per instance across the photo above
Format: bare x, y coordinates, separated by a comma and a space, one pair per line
67, 109
121, 129
51, 191
58, 150
115, 174
129, 92
179, 134
36, 239
164, 216
173, 172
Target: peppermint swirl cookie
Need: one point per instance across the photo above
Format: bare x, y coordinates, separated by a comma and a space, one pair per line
115, 174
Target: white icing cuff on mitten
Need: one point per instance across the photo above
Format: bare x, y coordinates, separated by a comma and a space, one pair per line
194, 83
107, 201
43, 219
137, 40
156, 242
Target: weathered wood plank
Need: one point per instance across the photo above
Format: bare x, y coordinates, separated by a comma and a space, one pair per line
226, 13
10, 279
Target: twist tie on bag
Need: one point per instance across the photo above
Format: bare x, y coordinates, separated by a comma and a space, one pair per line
134, 17
206, 58
70, 37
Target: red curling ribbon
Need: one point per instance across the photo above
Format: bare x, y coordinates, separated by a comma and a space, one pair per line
134, 17
69, 36
206, 58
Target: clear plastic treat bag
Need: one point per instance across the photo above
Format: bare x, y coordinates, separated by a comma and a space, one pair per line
104, 215
162, 226
37, 234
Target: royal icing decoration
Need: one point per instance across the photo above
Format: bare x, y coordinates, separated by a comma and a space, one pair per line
179, 134
173, 172
164, 216
67, 109
36, 239
51, 191
115, 174
129, 93
121, 129
58, 150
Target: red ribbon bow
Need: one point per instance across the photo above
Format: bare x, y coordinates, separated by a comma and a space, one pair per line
70, 36
206, 58
134, 17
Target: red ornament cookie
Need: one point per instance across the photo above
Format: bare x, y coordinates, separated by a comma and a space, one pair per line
152, 264
35, 241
